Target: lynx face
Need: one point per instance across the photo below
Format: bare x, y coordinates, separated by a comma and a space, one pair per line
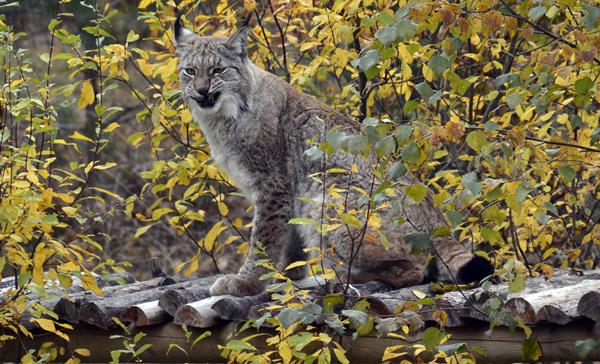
214, 74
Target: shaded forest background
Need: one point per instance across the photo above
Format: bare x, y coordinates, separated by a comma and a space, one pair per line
492, 104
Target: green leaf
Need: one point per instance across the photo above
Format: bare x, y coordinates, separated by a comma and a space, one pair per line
472, 183
50, 219
410, 106
450, 349
132, 36
537, 12
477, 140
350, 220
438, 64
521, 194
357, 144
410, 153
454, 217
370, 59
313, 153
416, 192
590, 20
514, 100
335, 138
531, 349
418, 242
583, 85
356, 318
407, 29
288, 316
583, 347
424, 90
239, 345
397, 170
404, 133
440, 232
567, 173
432, 337
300, 340
387, 35
143, 230
385, 146
516, 285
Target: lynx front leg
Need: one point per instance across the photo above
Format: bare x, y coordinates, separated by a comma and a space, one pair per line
270, 227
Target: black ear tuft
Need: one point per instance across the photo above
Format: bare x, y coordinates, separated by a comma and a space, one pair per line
475, 270
179, 31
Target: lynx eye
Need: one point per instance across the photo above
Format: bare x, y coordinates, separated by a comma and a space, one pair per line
189, 71
218, 70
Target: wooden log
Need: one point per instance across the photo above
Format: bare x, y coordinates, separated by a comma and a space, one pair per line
554, 314
454, 318
238, 308
173, 299
522, 309
101, 311
145, 314
199, 314
589, 305
556, 305
68, 308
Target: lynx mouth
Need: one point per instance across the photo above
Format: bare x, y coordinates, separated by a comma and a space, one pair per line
208, 101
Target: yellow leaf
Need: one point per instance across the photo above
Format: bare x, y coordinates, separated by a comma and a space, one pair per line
192, 267
45, 324
39, 258
223, 209
145, 67
87, 95
77, 135
89, 282
211, 236
83, 352
419, 294
111, 127
296, 264
105, 166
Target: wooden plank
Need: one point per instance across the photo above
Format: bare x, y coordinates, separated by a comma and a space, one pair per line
557, 343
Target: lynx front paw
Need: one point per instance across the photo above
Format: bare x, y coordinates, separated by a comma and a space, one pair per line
236, 285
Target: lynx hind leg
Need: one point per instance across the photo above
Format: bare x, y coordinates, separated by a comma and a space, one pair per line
402, 273
455, 263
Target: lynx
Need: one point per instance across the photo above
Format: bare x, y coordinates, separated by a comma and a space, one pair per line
257, 126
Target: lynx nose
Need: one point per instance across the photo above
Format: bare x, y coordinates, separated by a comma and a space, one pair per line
202, 87
203, 91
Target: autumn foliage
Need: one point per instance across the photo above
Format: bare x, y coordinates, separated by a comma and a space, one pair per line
492, 104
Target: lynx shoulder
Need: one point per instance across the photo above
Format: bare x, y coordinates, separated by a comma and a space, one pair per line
258, 126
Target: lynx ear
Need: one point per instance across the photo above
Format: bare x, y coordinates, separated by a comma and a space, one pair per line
180, 32
239, 41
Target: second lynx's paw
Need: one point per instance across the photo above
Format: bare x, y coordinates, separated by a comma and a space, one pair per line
236, 285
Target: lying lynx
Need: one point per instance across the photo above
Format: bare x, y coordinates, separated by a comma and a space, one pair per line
258, 126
